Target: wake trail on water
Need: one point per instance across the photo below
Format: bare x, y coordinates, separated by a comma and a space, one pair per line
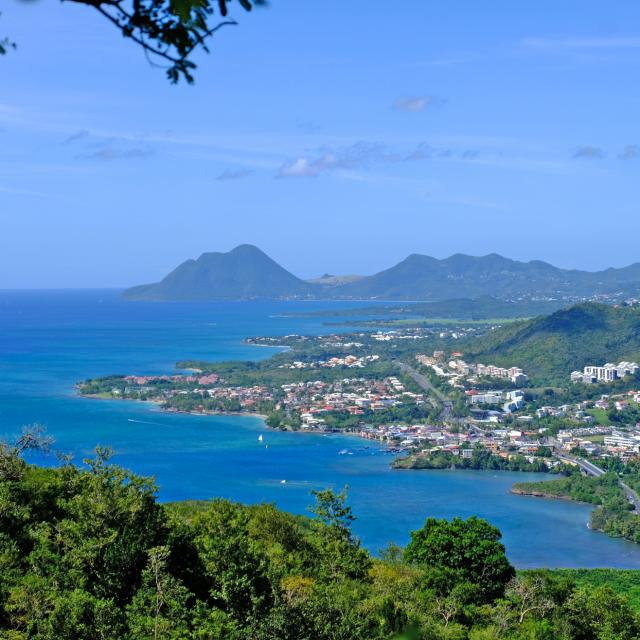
159, 424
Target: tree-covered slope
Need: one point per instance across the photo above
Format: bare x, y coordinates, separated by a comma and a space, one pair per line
421, 277
549, 348
88, 553
245, 272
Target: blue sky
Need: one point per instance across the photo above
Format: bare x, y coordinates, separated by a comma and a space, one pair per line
337, 136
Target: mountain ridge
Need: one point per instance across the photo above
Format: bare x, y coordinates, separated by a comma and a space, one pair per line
246, 272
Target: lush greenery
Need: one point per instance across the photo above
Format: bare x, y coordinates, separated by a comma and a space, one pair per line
613, 515
551, 347
622, 581
483, 308
481, 458
89, 553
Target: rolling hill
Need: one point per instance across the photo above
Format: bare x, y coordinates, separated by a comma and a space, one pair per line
550, 347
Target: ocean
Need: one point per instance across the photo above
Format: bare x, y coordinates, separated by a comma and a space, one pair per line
49, 340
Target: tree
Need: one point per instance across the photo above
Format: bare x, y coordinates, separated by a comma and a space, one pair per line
168, 31
461, 552
601, 614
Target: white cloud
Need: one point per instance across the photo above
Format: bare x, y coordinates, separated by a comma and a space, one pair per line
356, 156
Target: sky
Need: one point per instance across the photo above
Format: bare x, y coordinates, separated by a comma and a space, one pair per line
337, 135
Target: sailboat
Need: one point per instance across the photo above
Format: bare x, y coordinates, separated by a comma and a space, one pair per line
260, 438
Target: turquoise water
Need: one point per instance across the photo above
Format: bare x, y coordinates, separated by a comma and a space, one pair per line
49, 340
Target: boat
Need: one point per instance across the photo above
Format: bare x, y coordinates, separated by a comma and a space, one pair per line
342, 452
260, 438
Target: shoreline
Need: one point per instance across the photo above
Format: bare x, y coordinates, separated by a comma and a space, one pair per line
547, 496
232, 414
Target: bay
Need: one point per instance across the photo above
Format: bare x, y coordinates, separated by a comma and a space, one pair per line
51, 339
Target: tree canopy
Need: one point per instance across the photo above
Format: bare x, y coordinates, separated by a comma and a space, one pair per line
168, 31
88, 552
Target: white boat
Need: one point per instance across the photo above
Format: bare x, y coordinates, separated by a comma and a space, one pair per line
260, 438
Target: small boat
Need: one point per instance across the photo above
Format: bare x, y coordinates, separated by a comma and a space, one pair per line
342, 452
283, 482
260, 438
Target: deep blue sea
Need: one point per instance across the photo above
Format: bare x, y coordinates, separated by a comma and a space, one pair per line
51, 339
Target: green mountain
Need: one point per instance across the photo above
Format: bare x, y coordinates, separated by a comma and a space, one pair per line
421, 277
247, 272
243, 273
549, 348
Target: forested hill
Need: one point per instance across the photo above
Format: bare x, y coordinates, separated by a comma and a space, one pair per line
550, 347
421, 277
247, 272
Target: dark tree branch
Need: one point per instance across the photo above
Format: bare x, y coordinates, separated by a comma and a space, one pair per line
170, 30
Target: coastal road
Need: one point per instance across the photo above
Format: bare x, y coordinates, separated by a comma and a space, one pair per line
585, 465
595, 471
427, 385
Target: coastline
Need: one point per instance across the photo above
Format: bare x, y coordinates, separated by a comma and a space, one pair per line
158, 403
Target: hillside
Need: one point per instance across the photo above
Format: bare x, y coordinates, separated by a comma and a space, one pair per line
420, 277
549, 348
243, 273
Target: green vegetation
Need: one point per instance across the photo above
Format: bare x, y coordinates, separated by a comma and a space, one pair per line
246, 272
622, 581
484, 308
551, 347
89, 553
613, 515
243, 273
428, 321
481, 458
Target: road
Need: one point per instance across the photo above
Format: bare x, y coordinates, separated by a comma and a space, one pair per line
427, 385
592, 470
447, 415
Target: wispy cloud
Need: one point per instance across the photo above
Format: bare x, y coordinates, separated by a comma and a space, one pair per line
362, 155
568, 43
356, 156
416, 103
75, 137
425, 151
110, 152
630, 152
234, 174
588, 151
